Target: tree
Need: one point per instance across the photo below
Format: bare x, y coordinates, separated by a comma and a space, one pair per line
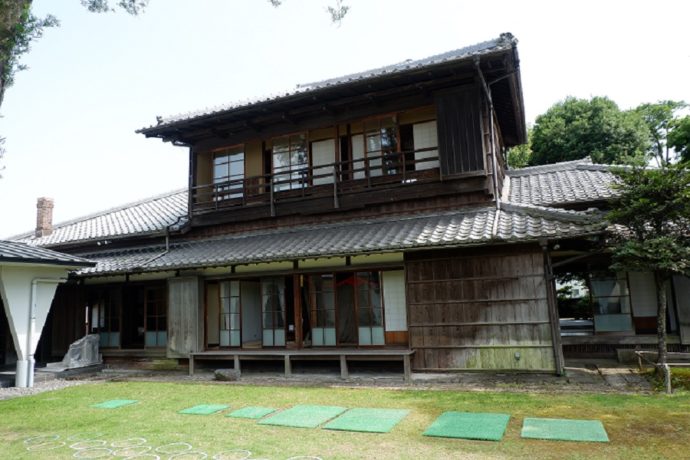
661, 120
679, 138
577, 128
520, 155
652, 215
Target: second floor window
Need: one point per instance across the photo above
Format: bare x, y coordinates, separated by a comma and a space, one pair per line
290, 162
376, 151
228, 174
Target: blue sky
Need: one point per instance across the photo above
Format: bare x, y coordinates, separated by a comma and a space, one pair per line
70, 119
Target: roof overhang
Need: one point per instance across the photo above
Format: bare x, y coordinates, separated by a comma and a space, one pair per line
335, 99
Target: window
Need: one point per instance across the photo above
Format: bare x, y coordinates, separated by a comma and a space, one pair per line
228, 174
105, 316
370, 309
273, 311
376, 151
230, 314
425, 145
156, 317
290, 162
323, 157
609, 293
322, 309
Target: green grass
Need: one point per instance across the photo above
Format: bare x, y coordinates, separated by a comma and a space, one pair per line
680, 379
639, 426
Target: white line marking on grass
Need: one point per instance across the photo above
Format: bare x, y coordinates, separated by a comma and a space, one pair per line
90, 444
50, 445
174, 448
95, 452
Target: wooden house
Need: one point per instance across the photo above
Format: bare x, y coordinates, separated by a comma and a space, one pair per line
370, 216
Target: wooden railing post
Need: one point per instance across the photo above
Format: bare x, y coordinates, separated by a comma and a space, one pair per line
273, 207
336, 203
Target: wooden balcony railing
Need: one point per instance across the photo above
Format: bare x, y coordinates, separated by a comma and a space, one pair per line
335, 179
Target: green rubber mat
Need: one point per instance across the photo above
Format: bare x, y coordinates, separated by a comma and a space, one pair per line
367, 420
204, 409
564, 430
114, 403
304, 416
251, 412
469, 425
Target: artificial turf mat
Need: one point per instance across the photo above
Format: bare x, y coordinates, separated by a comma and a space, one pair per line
253, 412
367, 420
304, 416
564, 430
114, 403
204, 409
469, 425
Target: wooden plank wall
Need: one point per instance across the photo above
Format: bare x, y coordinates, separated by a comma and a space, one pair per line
67, 320
478, 308
185, 316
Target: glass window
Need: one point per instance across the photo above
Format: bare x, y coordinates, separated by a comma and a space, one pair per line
273, 311
322, 309
230, 324
381, 147
228, 174
610, 294
290, 162
156, 317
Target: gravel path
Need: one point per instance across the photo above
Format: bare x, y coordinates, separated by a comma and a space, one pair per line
40, 387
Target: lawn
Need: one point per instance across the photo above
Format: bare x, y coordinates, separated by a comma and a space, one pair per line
639, 426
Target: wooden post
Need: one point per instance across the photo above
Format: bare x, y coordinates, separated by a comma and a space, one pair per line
288, 366
191, 364
553, 310
344, 374
236, 363
297, 301
407, 373
273, 206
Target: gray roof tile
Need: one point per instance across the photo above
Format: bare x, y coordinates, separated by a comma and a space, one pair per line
14, 252
503, 42
451, 229
560, 184
149, 216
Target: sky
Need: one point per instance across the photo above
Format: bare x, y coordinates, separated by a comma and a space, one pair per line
70, 119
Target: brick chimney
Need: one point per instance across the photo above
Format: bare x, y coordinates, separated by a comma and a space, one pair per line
44, 217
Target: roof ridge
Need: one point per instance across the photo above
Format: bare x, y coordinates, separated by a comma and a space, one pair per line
591, 215
104, 212
551, 167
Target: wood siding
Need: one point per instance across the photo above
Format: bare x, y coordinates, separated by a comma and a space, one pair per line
185, 316
478, 309
460, 131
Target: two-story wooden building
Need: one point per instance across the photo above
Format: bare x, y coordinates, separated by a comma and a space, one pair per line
369, 215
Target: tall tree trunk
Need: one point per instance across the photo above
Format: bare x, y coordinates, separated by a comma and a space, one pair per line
661, 280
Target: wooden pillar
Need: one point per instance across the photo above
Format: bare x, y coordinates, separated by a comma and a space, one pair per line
344, 373
297, 300
553, 310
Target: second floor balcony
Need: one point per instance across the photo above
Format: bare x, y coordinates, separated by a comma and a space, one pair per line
311, 189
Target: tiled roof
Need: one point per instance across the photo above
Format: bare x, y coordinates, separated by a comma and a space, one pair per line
504, 42
149, 216
11, 251
450, 229
559, 184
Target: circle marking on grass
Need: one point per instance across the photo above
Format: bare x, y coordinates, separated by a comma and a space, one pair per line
129, 442
89, 444
50, 445
94, 452
151, 456
233, 455
189, 455
41, 439
87, 436
131, 451
172, 448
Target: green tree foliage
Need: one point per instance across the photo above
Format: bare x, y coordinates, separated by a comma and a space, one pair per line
679, 138
661, 120
652, 218
520, 155
578, 128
